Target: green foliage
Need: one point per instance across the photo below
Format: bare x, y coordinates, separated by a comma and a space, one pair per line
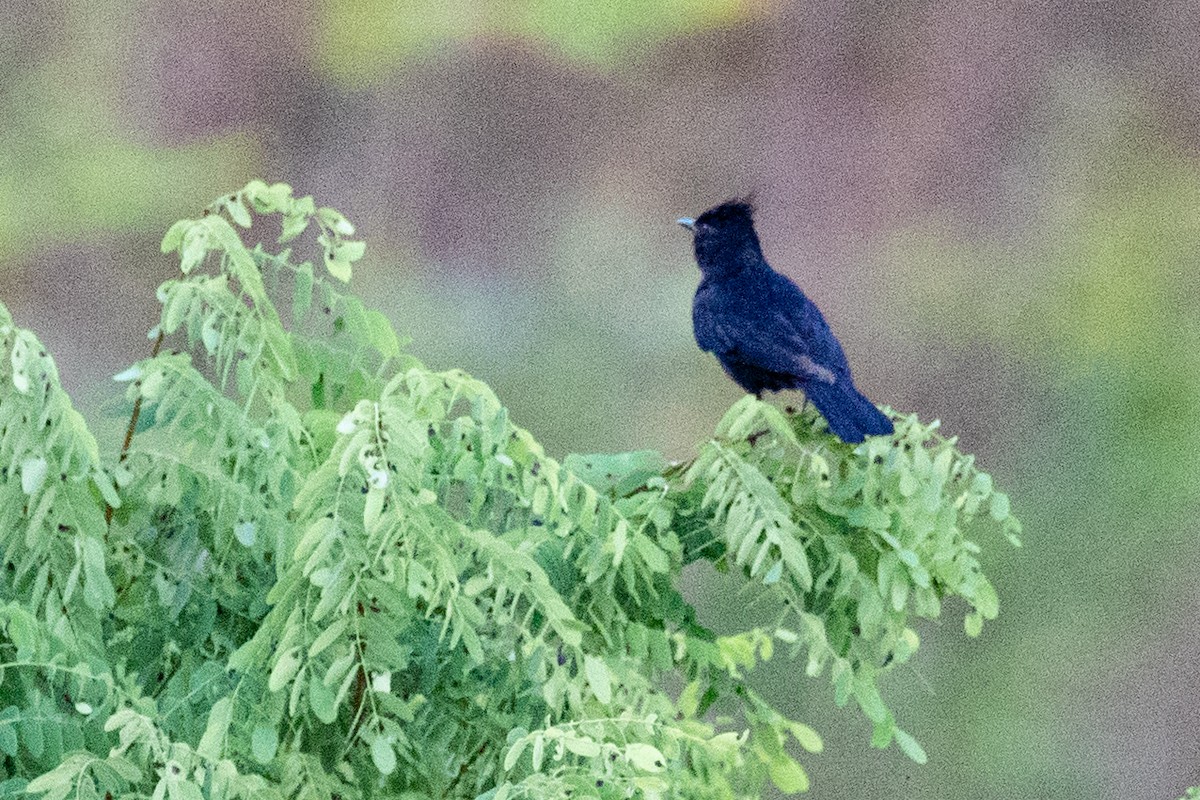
329, 571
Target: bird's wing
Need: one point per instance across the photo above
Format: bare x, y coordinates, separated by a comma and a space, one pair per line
711, 335
815, 352
754, 336
800, 328
774, 348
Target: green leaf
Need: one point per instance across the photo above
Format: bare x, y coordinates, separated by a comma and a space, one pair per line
124, 768
8, 738
899, 593
620, 540
322, 700
809, 739
210, 336
616, 473
373, 508
59, 782
238, 212
264, 742
302, 291
98, 590
514, 753
645, 757
869, 700
293, 226
178, 302
911, 747
788, 776
244, 532
276, 198
337, 266
328, 636
582, 746
381, 334
739, 419
985, 600
258, 195
333, 219
883, 733
33, 474
870, 611
175, 233
285, 669
383, 755
351, 251
219, 718
598, 678
477, 584
726, 745
656, 560
32, 735
539, 751
1000, 506
283, 355
322, 530
193, 248
689, 699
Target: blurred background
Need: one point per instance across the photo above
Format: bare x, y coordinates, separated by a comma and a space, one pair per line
997, 206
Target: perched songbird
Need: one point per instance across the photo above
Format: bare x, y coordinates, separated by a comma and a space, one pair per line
765, 332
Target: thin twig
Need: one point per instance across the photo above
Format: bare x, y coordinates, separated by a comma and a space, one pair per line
133, 421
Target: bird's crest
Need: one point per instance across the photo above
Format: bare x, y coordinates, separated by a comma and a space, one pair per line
739, 208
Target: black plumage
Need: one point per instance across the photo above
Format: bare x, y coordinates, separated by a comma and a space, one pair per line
765, 332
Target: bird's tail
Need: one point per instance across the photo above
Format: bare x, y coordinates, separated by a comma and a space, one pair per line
850, 415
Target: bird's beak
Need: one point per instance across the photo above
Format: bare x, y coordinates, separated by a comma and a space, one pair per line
688, 223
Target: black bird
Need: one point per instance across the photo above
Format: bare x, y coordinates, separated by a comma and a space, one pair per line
765, 332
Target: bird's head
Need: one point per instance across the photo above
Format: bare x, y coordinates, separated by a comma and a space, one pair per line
724, 238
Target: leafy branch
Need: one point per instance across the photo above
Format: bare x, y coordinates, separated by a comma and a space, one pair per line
318, 568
